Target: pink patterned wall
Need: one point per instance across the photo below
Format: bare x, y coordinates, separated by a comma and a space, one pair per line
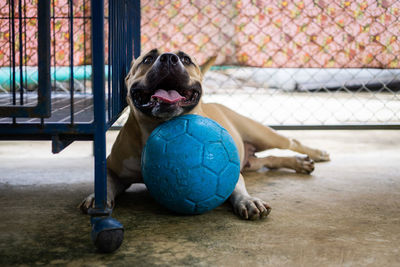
59, 31
299, 33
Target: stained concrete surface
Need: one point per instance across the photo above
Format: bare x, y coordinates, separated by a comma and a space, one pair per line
347, 213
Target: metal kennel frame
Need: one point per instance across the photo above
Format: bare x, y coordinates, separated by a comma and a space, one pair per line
70, 116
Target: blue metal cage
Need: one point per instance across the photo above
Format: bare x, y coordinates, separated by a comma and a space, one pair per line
71, 115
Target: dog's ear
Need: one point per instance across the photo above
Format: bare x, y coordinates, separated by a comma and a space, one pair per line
208, 64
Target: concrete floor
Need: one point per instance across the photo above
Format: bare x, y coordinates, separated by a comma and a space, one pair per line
347, 213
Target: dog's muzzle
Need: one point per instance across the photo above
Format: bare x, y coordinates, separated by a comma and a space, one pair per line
167, 90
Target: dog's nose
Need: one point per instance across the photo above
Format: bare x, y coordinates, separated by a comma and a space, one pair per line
169, 58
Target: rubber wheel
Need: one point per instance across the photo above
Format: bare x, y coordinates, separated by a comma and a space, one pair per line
109, 240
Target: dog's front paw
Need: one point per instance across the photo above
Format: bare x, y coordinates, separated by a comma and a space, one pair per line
88, 203
251, 208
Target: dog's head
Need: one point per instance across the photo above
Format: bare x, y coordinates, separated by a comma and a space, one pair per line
164, 85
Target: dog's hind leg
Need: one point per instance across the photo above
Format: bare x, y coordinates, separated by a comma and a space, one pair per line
263, 137
315, 154
298, 163
301, 164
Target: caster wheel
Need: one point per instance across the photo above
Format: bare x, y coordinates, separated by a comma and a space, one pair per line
107, 234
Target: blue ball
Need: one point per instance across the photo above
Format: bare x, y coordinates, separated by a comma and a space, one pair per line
190, 164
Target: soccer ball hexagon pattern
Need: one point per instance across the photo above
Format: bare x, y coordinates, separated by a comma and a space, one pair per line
190, 164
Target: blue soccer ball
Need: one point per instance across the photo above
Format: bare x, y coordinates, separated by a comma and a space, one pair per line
190, 164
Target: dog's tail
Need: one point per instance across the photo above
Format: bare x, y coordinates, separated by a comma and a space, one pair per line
208, 64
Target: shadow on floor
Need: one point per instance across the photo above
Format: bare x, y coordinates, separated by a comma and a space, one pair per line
346, 213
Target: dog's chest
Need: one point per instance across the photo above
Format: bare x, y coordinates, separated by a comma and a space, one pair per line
131, 169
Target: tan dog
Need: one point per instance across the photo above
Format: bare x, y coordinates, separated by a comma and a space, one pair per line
165, 85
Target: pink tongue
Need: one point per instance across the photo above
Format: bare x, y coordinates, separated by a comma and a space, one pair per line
170, 96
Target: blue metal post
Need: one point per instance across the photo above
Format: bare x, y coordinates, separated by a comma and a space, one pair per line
100, 186
44, 92
136, 28
129, 33
107, 233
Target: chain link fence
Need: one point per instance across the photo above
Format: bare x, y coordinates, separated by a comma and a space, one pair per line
307, 62
19, 47
284, 63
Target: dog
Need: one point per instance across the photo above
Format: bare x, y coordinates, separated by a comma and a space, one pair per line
162, 86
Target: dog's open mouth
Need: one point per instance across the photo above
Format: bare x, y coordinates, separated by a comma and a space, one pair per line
162, 95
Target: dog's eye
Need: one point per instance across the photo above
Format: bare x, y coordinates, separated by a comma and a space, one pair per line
148, 60
186, 60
